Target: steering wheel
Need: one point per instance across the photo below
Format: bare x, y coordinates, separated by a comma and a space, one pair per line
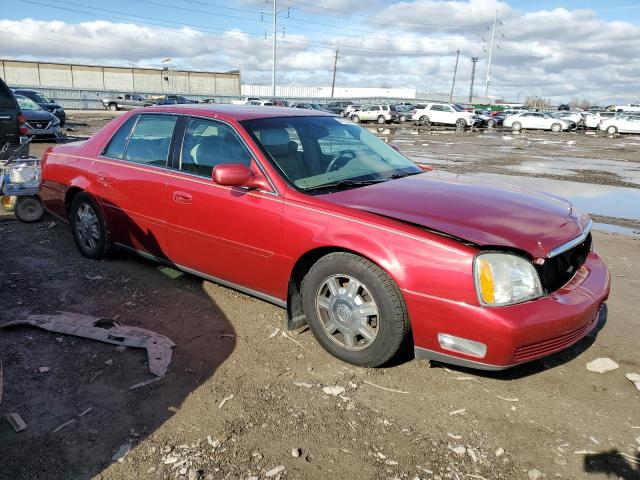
340, 160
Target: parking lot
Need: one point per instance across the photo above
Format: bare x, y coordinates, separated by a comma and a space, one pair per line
245, 398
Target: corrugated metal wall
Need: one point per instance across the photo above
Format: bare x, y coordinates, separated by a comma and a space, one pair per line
44, 75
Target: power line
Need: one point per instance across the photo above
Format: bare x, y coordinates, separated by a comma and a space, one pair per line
326, 45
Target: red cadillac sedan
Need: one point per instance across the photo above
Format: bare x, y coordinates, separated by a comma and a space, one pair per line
313, 213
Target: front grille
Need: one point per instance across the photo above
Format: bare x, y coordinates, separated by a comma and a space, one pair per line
557, 271
545, 347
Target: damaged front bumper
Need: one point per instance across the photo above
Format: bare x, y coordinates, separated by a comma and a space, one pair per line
512, 334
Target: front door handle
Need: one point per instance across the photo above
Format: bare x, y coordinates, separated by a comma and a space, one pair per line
182, 197
102, 178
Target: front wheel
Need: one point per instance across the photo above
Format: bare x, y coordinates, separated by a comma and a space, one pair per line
355, 119
491, 123
29, 209
424, 120
516, 126
113, 107
461, 123
382, 120
354, 309
88, 227
612, 130
556, 127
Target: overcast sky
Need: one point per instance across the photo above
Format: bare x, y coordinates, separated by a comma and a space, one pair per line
561, 49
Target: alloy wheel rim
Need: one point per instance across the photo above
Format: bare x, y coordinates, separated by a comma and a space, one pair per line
348, 312
87, 226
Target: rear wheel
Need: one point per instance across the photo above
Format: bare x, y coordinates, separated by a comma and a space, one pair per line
424, 120
612, 130
516, 126
491, 123
113, 107
355, 118
556, 127
29, 209
382, 120
461, 123
88, 227
354, 309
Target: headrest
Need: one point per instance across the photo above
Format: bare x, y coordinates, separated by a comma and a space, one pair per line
208, 150
276, 141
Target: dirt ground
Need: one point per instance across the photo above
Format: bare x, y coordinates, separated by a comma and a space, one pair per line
244, 399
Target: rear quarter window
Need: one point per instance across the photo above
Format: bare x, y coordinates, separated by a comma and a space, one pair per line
6, 99
118, 143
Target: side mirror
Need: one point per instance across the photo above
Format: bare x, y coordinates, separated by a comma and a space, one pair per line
239, 175
232, 175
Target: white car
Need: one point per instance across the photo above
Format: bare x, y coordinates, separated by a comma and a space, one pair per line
623, 123
592, 119
631, 107
374, 113
575, 117
445, 114
536, 120
350, 109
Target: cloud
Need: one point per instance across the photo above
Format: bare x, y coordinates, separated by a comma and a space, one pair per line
565, 53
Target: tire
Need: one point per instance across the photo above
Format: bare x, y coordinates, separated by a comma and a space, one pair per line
386, 324
491, 123
29, 209
516, 126
355, 118
424, 120
341, 113
556, 127
402, 118
381, 120
461, 123
612, 130
91, 235
113, 107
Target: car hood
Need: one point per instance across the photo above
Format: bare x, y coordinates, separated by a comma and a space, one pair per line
37, 115
485, 215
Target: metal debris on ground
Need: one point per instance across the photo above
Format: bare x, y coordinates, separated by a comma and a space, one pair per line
145, 383
385, 388
225, 400
122, 452
16, 421
159, 347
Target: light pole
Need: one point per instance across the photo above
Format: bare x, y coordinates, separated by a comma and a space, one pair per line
474, 60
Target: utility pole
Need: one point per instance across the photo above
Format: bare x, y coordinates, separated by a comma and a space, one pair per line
275, 12
493, 37
474, 60
335, 66
455, 70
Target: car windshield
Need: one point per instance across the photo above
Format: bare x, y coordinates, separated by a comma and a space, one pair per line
315, 153
40, 98
27, 104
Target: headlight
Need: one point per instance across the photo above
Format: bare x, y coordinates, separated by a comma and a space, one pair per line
505, 279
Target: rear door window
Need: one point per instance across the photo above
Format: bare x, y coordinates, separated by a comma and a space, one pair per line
208, 143
149, 143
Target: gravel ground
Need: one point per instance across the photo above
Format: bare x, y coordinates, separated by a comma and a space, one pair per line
243, 398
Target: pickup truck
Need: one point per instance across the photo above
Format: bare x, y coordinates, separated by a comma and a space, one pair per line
126, 102
12, 122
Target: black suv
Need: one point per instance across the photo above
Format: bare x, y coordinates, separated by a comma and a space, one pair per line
11, 122
45, 102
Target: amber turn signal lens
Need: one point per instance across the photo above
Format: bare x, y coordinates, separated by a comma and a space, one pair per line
485, 280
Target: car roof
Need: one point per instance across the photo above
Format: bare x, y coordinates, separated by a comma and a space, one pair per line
235, 112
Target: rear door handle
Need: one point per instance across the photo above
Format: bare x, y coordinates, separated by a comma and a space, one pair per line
182, 197
103, 179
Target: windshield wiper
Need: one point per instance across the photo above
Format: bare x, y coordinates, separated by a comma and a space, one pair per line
346, 183
402, 175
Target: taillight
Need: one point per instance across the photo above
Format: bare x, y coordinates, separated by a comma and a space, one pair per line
21, 127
